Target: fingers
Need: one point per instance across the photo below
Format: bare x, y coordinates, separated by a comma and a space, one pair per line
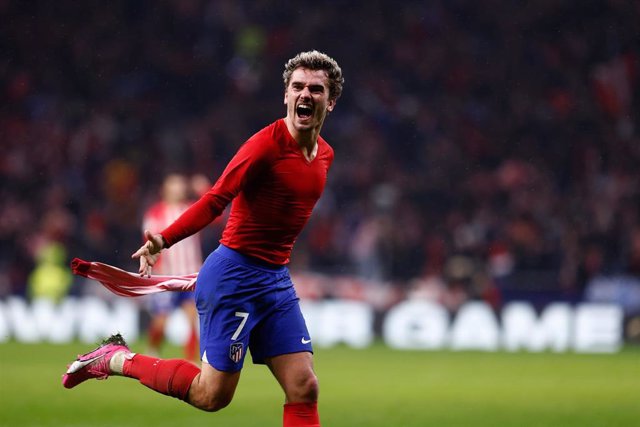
143, 251
145, 267
138, 253
146, 258
147, 254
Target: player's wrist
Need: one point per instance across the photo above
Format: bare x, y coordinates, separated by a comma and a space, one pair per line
163, 242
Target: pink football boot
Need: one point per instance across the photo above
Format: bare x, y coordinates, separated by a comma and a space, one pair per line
94, 364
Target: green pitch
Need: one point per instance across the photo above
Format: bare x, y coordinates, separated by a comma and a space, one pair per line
372, 387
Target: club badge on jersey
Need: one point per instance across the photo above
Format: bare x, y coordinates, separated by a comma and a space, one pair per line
235, 352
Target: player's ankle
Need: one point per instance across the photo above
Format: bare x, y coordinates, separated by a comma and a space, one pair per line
116, 364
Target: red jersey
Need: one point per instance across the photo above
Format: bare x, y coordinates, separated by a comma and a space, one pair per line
186, 256
274, 189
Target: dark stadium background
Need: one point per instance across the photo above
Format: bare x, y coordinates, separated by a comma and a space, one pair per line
487, 156
484, 150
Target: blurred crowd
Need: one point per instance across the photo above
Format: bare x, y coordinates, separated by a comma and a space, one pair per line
484, 150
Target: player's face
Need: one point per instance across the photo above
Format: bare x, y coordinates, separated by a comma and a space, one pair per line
175, 188
307, 99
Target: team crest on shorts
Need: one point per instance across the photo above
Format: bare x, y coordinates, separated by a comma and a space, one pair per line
235, 351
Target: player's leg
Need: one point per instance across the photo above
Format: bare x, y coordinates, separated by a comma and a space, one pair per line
295, 374
207, 389
227, 315
213, 390
281, 341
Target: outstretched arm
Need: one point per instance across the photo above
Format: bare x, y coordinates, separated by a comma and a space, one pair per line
248, 162
251, 158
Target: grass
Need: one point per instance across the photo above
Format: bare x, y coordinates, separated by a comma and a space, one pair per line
372, 387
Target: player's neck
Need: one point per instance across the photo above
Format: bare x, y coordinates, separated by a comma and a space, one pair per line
308, 146
307, 140
309, 153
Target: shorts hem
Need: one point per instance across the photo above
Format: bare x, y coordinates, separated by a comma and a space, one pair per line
260, 360
233, 369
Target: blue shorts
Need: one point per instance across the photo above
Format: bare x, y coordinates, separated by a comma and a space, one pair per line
244, 303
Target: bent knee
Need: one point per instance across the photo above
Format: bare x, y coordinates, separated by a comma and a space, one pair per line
305, 390
213, 404
312, 389
209, 401
213, 390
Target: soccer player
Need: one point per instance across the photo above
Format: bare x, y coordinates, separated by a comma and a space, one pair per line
244, 294
184, 258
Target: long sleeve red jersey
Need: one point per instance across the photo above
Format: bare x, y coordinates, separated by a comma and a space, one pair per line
273, 188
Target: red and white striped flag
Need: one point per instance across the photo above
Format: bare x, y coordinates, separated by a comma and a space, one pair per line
128, 284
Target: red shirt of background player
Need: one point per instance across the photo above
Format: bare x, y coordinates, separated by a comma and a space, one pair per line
274, 189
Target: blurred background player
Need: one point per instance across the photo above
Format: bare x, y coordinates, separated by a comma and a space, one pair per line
185, 258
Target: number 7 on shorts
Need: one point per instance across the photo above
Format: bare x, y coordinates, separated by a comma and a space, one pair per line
244, 316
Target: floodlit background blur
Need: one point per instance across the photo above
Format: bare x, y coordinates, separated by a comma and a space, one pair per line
487, 162
484, 151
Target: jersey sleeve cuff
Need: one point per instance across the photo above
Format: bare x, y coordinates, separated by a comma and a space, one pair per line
165, 243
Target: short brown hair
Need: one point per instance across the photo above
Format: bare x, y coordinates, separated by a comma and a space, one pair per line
314, 60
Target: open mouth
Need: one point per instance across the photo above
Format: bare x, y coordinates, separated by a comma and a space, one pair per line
304, 111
